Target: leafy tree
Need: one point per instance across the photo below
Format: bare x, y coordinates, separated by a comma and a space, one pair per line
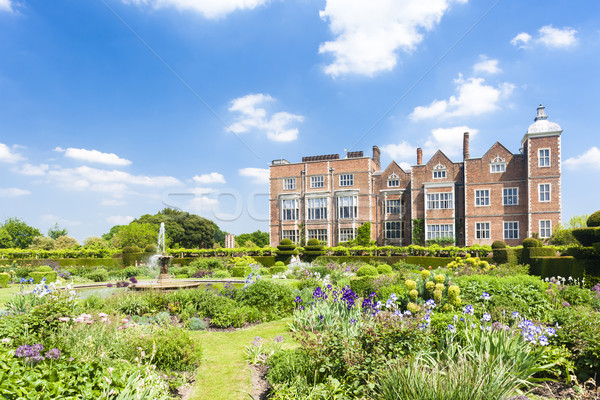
418, 233
258, 238
42, 243
22, 234
363, 234
563, 235
112, 233
56, 232
66, 242
5, 239
136, 234
95, 242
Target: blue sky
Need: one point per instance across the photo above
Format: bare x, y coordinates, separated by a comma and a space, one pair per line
110, 109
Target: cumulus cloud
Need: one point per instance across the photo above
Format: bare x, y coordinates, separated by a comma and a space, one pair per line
253, 116
473, 98
208, 8
107, 181
34, 170
486, 65
112, 202
449, 140
7, 155
258, 175
587, 160
369, 34
548, 36
13, 192
213, 177
119, 219
401, 153
5, 5
53, 219
93, 156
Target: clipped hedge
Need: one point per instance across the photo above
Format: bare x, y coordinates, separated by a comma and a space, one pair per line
39, 275
4, 279
593, 220
546, 267
362, 286
541, 252
384, 269
583, 253
241, 271
276, 269
367, 270
99, 275
504, 256
587, 236
266, 261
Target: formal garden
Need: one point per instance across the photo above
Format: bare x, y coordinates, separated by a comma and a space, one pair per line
310, 322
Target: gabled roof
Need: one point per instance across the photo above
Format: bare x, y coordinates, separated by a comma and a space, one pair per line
392, 166
496, 147
441, 153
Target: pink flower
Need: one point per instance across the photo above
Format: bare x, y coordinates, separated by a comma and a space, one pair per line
5, 340
64, 319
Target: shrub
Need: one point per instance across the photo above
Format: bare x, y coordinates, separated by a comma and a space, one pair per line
274, 300
587, 236
279, 264
207, 263
287, 365
498, 244
594, 220
286, 248
276, 269
133, 305
99, 275
531, 242
366, 270
130, 249
384, 269
241, 271
196, 324
44, 268
202, 273
38, 276
362, 286
150, 248
313, 248
220, 274
130, 272
4, 278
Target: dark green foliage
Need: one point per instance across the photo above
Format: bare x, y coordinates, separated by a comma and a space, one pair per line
498, 244
5, 239
20, 233
583, 253
363, 234
55, 232
258, 238
366, 270
287, 365
542, 252
587, 236
384, 269
594, 220
286, 249
505, 256
418, 231
265, 261
272, 300
546, 267
99, 275
362, 286
531, 242
207, 263
313, 249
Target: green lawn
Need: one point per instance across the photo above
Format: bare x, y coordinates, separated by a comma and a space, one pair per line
224, 373
6, 293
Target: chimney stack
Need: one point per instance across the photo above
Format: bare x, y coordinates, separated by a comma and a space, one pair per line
466, 146
419, 156
377, 156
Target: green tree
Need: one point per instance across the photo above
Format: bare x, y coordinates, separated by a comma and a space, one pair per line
363, 234
260, 239
418, 231
95, 242
5, 239
112, 233
42, 243
22, 234
66, 242
56, 232
136, 234
562, 234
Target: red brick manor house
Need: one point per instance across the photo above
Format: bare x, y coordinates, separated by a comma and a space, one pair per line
499, 196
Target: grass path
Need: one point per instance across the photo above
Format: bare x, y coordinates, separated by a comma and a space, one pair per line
224, 373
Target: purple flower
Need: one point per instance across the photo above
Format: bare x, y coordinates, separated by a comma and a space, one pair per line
451, 328
298, 299
468, 310
30, 354
565, 304
486, 317
321, 317
109, 285
53, 354
485, 296
133, 280
278, 339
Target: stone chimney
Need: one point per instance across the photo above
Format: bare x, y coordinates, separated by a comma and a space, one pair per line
466, 146
377, 156
419, 156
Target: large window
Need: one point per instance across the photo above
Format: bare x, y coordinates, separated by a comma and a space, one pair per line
510, 196
347, 180
511, 230
545, 229
317, 208
544, 157
482, 197
319, 234
347, 234
289, 184
317, 182
289, 210
482, 230
544, 192
439, 200
290, 234
347, 207
394, 207
440, 231
393, 230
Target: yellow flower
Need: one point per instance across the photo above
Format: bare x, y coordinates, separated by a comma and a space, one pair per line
410, 284
456, 301
430, 286
440, 287
437, 296
440, 278
413, 308
425, 274
453, 291
413, 294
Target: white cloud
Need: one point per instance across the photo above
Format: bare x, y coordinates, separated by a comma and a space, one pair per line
119, 219
53, 219
448, 140
474, 98
208, 8
13, 192
107, 181
521, 39
112, 202
7, 155
486, 65
254, 116
5, 5
587, 160
258, 175
34, 170
548, 36
401, 153
94, 156
213, 177
368, 34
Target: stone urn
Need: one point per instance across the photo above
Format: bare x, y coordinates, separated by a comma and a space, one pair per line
163, 262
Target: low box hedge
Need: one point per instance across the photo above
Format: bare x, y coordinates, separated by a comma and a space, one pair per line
547, 267
39, 275
4, 279
241, 271
505, 256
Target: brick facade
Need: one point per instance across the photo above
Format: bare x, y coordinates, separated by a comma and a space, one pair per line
499, 196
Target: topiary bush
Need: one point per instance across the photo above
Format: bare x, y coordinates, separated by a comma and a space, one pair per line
241, 270
594, 220
587, 236
384, 269
99, 275
366, 270
220, 274
44, 271
363, 285
286, 248
44, 268
277, 268
531, 242
4, 278
498, 244
151, 248
130, 249
313, 249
